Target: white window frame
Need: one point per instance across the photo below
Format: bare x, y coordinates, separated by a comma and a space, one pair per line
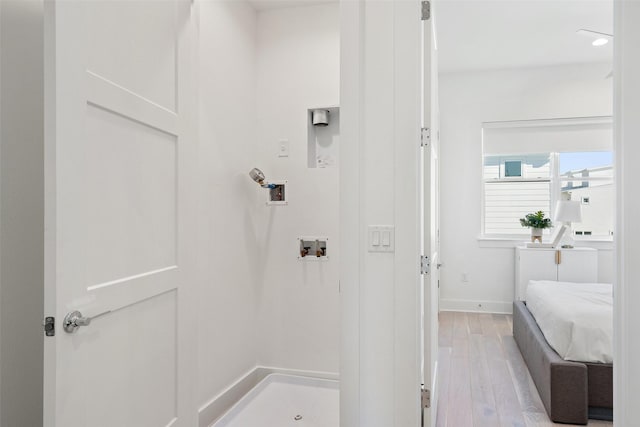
554, 179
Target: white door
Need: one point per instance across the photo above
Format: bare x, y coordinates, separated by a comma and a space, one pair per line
119, 151
430, 215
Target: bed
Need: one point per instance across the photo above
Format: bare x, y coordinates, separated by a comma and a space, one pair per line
572, 391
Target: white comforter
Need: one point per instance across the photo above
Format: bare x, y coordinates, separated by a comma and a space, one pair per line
575, 318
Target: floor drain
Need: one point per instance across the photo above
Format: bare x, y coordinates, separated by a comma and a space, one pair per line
297, 417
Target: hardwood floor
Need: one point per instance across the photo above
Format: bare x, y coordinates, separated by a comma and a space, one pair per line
484, 381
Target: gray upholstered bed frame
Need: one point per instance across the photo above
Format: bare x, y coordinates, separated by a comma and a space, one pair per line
571, 392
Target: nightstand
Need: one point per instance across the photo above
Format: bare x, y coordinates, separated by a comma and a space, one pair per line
563, 265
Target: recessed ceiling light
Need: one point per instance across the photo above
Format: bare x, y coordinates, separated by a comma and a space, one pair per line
600, 42
598, 38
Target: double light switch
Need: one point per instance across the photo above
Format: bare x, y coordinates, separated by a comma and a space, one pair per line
381, 238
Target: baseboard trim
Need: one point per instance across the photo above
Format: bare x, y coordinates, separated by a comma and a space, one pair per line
218, 405
302, 373
475, 306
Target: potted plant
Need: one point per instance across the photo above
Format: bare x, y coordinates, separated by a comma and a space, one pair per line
537, 222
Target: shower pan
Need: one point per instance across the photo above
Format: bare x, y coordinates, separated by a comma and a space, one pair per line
282, 400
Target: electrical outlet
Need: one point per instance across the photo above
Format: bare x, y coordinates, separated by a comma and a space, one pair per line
465, 277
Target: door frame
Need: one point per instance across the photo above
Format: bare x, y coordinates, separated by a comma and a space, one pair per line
626, 381
430, 216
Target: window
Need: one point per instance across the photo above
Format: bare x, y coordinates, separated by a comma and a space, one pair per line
508, 198
513, 168
588, 177
575, 163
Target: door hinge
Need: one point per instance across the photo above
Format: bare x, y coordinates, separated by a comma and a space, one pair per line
425, 395
425, 136
424, 264
426, 10
49, 325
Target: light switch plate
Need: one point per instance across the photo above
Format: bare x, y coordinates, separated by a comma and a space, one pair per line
381, 238
283, 148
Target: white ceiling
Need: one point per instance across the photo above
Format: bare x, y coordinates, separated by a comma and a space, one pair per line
279, 4
477, 34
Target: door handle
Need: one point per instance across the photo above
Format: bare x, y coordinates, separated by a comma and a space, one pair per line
74, 319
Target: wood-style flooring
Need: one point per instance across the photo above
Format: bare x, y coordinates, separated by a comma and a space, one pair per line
484, 381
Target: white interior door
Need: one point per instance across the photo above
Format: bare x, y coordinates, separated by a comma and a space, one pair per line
430, 216
119, 149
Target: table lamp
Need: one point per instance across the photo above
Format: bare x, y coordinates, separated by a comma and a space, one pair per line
567, 212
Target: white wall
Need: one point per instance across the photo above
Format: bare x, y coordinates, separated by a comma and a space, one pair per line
259, 305
21, 212
229, 223
298, 67
467, 99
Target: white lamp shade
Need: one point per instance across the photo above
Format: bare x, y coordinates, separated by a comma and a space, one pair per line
568, 211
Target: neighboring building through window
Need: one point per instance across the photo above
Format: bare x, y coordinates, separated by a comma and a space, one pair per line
508, 198
588, 177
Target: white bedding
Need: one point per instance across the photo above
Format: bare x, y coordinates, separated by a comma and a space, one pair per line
575, 318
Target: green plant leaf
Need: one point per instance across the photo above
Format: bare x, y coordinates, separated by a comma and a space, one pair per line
536, 220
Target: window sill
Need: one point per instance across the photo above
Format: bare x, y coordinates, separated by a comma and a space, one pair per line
603, 243
500, 242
